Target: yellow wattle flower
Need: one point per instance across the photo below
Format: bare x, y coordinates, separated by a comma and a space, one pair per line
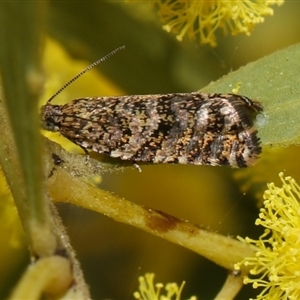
201, 19
276, 265
149, 290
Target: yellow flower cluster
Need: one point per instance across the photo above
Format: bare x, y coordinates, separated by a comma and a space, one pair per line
147, 290
201, 19
277, 260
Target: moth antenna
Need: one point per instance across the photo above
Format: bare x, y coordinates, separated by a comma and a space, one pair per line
85, 70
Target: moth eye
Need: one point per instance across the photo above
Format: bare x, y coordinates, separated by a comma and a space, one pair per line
49, 124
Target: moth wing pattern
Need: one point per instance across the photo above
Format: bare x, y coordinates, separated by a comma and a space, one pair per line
187, 128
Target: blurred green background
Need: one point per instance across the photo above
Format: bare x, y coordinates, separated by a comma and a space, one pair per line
113, 255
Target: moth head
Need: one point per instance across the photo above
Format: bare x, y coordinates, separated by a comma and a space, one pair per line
50, 117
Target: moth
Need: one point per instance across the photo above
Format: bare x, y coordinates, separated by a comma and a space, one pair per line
186, 128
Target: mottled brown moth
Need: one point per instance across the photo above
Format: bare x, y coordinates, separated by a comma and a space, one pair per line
185, 128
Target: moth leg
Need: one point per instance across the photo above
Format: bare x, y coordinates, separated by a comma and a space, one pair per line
57, 161
87, 155
137, 167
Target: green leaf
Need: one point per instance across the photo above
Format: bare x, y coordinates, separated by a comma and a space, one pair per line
274, 81
22, 81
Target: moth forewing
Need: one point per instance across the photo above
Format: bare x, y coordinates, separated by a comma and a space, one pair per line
186, 128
